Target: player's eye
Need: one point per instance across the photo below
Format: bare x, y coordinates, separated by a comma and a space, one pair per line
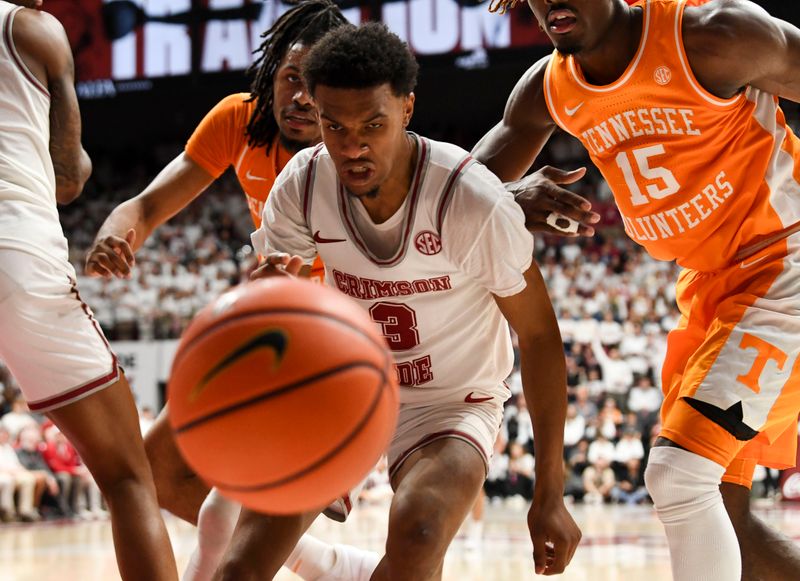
293, 79
334, 127
375, 125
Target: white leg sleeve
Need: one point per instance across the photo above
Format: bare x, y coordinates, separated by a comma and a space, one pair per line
685, 489
215, 524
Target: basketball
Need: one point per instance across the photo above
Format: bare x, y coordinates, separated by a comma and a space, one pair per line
282, 395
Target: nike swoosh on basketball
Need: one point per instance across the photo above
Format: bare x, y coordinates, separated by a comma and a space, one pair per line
470, 399
255, 178
320, 240
571, 112
751, 263
274, 339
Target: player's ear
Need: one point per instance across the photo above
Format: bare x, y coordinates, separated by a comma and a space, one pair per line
408, 109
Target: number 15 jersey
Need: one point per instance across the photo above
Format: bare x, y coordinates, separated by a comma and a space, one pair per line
462, 238
697, 178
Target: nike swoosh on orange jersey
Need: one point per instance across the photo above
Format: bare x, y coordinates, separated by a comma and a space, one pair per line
751, 263
256, 178
571, 112
470, 399
320, 240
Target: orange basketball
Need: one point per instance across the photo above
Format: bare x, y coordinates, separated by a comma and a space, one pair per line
282, 395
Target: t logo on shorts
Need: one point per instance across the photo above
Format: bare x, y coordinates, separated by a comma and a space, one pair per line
766, 351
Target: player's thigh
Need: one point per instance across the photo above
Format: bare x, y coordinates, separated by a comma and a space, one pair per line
742, 382
439, 459
50, 339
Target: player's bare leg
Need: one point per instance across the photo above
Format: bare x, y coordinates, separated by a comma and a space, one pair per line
104, 428
435, 489
179, 489
261, 544
767, 555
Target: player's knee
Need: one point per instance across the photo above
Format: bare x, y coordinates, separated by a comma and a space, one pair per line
235, 570
417, 524
681, 482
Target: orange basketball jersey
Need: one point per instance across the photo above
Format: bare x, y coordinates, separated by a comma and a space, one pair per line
697, 179
220, 141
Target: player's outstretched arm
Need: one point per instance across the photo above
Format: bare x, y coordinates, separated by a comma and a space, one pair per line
734, 43
554, 534
42, 43
132, 222
511, 147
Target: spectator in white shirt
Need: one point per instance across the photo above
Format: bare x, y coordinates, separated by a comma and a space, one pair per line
629, 447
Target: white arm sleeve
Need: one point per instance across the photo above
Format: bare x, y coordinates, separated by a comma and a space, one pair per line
283, 225
484, 232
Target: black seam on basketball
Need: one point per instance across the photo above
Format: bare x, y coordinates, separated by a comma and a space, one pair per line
303, 312
298, 384
321, 461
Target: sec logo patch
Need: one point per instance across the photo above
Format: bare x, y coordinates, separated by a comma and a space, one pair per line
428, 243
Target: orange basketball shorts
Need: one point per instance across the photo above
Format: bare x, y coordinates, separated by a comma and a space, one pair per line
731, 376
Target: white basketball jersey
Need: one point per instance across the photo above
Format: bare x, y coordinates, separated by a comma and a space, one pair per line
28, 214
463, 238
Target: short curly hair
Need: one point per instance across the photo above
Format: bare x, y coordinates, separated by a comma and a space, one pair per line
359, 57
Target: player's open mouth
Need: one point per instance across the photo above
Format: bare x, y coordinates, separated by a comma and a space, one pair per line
561, 20
359, 174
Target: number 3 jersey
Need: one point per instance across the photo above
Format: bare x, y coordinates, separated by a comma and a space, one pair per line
697, 178
458, 238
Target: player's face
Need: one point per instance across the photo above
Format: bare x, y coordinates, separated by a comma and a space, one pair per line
292, 105
573, 25
364, 131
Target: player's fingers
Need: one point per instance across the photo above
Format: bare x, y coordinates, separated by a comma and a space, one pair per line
561, 176
114, 253
539, 553
101, 264
94, 269
124, 251
277, 258
294, 265
537, 222
557, 560
568, 199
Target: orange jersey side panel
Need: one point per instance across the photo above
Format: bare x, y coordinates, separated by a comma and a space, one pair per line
220, 142
697, 179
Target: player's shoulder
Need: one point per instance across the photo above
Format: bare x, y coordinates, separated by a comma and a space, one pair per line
236, 105
720, 23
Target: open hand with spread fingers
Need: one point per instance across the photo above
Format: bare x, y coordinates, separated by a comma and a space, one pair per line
549, 207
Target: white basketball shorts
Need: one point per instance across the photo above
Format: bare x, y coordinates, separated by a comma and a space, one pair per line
49, 338
476, 421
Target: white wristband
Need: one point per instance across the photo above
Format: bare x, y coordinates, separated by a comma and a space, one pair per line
553, 219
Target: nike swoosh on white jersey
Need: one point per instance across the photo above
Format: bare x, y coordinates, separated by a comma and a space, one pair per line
250, 176
571, 112
751, 263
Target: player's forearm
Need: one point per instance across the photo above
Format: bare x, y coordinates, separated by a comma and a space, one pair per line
544, 383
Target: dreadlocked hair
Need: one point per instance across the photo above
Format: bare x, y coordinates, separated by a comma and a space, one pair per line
502, 6
306, 23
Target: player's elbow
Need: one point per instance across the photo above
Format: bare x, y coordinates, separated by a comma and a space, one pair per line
69, 183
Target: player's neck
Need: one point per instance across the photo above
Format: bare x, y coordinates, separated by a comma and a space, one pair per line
394, 190
605, 62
